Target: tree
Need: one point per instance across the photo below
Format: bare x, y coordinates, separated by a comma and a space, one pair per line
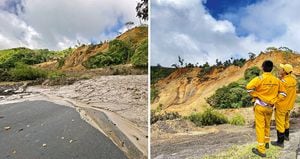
174, 65
218, 63
271, 49
180, 60
251, 55
142, 9
190, 65
286, 49
129, 24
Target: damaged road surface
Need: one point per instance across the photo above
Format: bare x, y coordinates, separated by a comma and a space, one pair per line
41, 129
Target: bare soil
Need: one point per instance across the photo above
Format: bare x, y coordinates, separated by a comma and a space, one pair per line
191, 142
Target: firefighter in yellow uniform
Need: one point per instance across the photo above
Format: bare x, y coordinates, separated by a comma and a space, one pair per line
266, 91
283, 108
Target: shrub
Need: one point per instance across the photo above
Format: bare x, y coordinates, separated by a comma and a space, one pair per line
231, 96
25, 72
119, 52
208, 117
4, 75
154, 94
140, 56
165, 116
252, 72
61, 62
238, 120
55, 75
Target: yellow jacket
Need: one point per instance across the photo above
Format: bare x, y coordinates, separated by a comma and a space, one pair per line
290, 84
267, 88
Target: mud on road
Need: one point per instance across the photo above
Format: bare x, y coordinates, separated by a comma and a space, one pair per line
123, 99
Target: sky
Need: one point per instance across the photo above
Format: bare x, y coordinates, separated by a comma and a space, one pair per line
59, 24
205, 30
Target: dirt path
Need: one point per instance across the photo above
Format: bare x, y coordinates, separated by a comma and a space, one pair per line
197, 146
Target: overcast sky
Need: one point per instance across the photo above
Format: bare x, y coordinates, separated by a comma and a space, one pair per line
204, 30
58, 24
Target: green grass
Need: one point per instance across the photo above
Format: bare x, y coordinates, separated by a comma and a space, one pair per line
238, 120
208, 117
244, 152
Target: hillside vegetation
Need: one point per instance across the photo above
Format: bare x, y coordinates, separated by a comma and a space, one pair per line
129, 48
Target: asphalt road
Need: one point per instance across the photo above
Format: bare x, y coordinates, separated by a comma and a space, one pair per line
46, 130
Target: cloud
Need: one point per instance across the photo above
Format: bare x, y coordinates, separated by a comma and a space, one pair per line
191, 32
15, 32
57, 24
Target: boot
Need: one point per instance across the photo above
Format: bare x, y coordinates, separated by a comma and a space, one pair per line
280, 140
287, 134
267, 146
255, 151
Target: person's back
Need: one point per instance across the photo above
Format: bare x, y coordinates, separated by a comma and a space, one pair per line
265, 87
290, 83
266, 90
283, 107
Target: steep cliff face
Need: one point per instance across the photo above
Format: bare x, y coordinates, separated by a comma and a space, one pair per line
183, 91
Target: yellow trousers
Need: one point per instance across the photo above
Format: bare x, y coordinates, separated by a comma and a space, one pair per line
282, 119
262, 126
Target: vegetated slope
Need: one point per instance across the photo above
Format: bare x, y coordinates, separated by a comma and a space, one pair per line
9, 57
184, 91
75, 61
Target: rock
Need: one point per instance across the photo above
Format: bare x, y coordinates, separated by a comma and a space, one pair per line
7, 128
70, 141
44, 145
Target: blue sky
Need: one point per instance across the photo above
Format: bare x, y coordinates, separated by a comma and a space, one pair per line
58, 24
231, 10
217, 8
203, 30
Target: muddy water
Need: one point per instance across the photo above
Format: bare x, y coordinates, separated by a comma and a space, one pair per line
123, 99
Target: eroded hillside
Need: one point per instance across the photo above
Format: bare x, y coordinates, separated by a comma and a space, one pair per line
184, 91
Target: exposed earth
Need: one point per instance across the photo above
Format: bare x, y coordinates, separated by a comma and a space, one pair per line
181, 138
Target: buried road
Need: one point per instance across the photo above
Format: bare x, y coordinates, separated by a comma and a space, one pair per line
41, 129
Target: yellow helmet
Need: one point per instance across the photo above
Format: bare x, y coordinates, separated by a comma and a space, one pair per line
287, 67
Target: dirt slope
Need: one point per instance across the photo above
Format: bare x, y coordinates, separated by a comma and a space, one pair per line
183, 92
75, 60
